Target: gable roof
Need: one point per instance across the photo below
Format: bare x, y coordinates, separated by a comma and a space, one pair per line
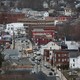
52, 45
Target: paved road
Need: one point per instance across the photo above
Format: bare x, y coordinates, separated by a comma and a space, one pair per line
46, 71
21, 44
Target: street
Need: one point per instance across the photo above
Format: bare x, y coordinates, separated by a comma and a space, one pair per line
23, 43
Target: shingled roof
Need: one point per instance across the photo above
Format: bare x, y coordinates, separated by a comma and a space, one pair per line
74, 54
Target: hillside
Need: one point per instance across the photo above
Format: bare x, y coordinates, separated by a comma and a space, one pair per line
38, 4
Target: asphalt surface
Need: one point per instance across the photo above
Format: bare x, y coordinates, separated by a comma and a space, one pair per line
41, 71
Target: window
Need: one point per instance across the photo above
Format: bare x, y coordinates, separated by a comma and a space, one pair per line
11, 28
62, 60
58, 55
50, 53
73, 64
65, 54
73, 60
65, 59
58, 60
50, 48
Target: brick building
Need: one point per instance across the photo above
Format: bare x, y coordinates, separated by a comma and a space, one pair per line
9, 17
40, 31
57, 57
43, 36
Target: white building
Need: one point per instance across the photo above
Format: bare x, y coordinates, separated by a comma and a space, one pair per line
74, 61
45, 4
72, 45
44, 13
68, 11
50, 45
16, 28
38, 13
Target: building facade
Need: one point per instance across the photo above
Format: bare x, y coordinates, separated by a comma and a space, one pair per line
40, 31
9, 17
74, 61
59, 58
43, 36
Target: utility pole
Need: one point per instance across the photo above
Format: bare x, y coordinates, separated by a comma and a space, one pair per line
37, 66
13, 40
41, 65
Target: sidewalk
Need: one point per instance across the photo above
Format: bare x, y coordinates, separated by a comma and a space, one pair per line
48, 71
62, 77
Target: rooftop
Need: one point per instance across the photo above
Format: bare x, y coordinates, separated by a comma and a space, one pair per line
74, 54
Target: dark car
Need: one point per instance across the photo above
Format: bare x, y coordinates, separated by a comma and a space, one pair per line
52, 70
50, 73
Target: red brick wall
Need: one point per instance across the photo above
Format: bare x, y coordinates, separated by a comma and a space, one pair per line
43, 39
63, 56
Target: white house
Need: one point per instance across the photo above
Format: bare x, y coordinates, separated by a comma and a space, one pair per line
72, 45
45, 4
68, 11
74, 61
34, 14
44, 13
50, 45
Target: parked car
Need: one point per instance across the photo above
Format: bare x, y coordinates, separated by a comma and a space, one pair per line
37, 62
47, 66
52, 70
50, 73
33, 58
